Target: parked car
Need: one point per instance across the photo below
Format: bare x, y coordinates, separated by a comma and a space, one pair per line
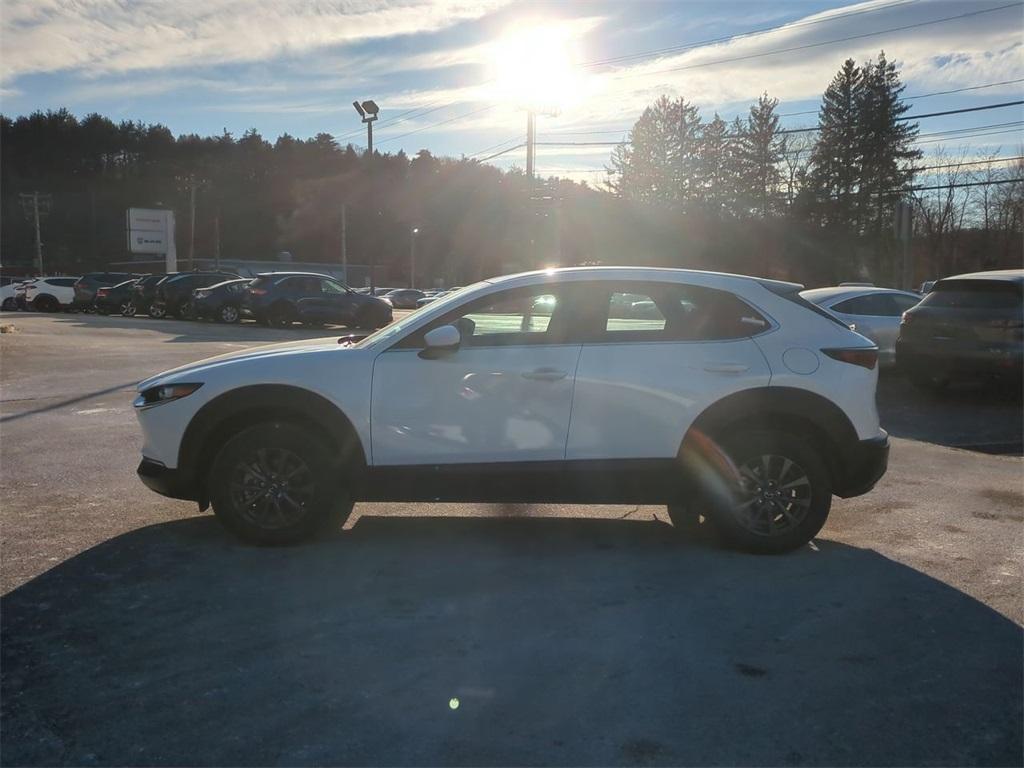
47, 294
282, 298
114, 299
874, 312
222, 301
143, 293
404, 298
8, 291
745, 403
429, 296
967, 327
89, 283
381, 292
174, 294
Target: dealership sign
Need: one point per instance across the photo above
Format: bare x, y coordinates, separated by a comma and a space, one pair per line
151, 230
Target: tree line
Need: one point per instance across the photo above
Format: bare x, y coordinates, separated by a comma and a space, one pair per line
741, 196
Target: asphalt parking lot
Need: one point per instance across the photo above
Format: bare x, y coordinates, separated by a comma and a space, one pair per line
135, 631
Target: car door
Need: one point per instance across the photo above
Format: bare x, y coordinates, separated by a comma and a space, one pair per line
655, 355
505, 395
339, 307
876, 315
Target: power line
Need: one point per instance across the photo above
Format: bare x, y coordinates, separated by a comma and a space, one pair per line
807, 46
957, 186
921, 117
924, 95
499, 154
814, 111
739, 35
485, 150
435, 125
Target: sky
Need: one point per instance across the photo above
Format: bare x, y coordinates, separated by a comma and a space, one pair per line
456, 77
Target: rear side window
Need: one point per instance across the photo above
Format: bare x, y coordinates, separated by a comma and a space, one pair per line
974, 294
875, 305
61, 282
674, 312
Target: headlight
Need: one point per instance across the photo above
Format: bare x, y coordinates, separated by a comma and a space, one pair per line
164, 393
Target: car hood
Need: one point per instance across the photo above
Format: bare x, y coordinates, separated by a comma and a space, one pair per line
322, 346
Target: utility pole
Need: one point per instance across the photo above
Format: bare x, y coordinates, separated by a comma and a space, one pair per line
31, 203
344, 240
531, 139
216, 241
192, 222
412, 256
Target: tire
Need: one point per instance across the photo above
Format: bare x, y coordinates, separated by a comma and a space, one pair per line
128, 309
228, 314
8, 305
773, 496
280, 316
45, 304
185, 311
157, 311
273, 484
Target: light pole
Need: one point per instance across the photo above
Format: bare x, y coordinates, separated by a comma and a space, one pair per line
368, 111
412, 256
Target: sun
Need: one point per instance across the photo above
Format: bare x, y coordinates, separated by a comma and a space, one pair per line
533, 68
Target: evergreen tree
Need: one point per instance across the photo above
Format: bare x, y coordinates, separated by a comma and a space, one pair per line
837, 157
885, 144
685, 135
761, 149
643, 165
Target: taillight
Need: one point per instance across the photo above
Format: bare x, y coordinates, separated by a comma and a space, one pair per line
905, 318
865, 357
258, 291
102, 291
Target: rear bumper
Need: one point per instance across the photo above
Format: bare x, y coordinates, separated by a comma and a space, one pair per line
865, 464
960, 360
165, 481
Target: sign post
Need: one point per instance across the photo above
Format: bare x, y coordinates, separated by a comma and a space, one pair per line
903, 228
151, 230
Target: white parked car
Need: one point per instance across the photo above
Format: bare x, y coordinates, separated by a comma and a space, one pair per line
49, 294
874, 312
8, 290
727, 396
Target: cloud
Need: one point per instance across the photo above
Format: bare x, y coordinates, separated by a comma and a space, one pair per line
109, 36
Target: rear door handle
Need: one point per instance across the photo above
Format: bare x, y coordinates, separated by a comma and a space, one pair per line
545, 374
726, 368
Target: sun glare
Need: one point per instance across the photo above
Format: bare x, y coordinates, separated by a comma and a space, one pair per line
533, 68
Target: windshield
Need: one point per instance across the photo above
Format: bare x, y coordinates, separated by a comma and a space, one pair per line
398, 328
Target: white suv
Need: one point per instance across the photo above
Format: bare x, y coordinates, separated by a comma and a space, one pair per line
721, 395
49, 294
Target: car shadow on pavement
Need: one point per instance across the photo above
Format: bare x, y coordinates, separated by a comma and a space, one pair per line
499, 641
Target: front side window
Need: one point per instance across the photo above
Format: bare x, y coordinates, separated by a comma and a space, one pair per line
330, 287
871, 305
519, 316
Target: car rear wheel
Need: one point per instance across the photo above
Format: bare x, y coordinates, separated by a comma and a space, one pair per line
8, 305
772, 495
45, 304
228, 314
185, 311
128, 309
273, 484
157, 311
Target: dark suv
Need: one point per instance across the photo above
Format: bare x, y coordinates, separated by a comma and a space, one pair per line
282, 298
968, 326
143, 293
174, 295
221, 301
86, 285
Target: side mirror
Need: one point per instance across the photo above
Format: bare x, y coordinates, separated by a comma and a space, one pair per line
441, 341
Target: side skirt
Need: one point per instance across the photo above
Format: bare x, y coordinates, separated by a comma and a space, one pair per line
631, 481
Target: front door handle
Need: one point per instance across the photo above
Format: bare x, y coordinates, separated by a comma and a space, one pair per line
726, 368
545, 374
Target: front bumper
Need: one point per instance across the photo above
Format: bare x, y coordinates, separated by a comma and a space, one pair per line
864, 463
165, 481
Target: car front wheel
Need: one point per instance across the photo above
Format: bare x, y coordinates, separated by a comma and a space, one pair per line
228, 314
772, 493
273, 484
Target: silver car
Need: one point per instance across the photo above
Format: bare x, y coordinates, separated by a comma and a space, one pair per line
875, 312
